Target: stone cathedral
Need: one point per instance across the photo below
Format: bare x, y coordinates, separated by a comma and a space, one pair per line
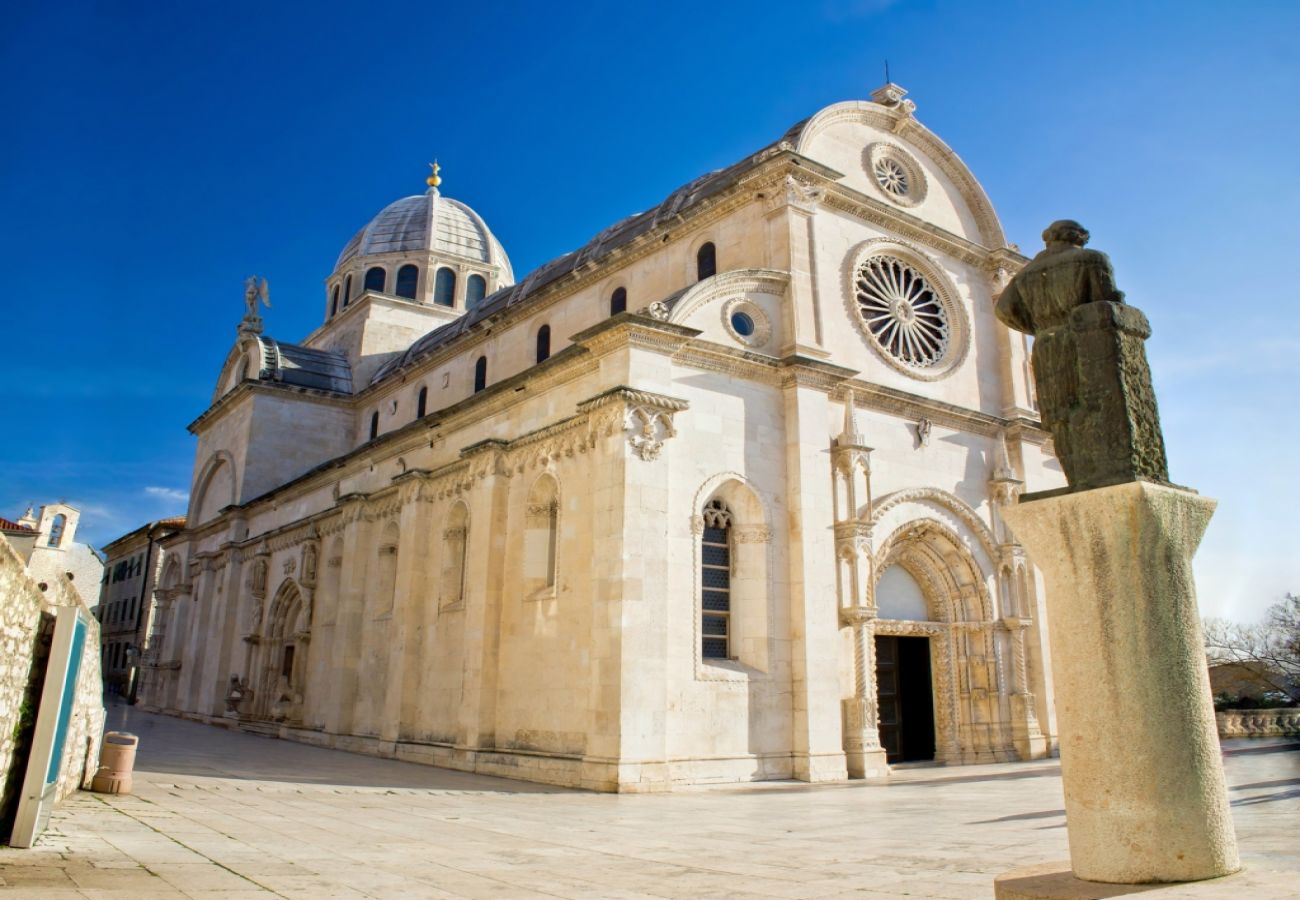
715, 497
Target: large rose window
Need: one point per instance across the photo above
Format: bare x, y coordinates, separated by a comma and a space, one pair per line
902, 312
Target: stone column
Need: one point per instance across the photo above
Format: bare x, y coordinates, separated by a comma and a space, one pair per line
851, 459
1145, 797
1005, 488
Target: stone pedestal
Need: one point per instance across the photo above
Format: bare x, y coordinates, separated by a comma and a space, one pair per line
1145, 798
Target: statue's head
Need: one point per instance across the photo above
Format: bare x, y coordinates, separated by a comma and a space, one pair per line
1066, 231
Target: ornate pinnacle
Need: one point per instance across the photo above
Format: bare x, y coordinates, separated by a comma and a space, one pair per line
434, 179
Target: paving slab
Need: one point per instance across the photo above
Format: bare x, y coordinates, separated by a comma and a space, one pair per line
220, 814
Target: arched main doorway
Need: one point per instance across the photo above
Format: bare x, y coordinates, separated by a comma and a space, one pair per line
904, 689
936, 621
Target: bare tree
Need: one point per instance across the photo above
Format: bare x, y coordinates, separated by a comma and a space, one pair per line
1272, 646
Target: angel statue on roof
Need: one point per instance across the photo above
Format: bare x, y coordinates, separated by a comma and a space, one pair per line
255, 288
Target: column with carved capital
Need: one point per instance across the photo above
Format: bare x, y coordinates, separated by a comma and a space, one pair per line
851, 462
1005, 487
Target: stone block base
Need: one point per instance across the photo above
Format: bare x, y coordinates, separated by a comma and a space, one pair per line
867, 763
1055, 881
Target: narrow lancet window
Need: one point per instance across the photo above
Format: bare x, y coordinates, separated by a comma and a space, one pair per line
543, 343
715, 581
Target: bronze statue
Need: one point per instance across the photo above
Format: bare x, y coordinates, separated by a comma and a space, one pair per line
1094, 386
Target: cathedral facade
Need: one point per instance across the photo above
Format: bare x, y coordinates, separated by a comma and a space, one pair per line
713, 498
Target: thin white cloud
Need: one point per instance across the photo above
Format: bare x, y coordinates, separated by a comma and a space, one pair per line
167, 493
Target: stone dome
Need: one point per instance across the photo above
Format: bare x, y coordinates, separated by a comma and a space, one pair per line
433, 223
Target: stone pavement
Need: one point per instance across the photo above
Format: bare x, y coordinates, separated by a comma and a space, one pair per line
217, 814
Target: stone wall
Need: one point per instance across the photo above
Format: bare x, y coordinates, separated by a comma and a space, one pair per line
21, 606
1237, 723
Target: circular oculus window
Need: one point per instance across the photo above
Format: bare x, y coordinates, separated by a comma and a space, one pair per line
746, 322
898, 176
903, 312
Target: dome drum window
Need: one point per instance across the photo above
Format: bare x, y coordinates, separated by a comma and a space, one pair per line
910, 319
896, 174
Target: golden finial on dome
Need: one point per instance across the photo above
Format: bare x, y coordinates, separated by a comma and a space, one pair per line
433, 180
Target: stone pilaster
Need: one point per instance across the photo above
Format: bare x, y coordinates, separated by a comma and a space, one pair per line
1005, 488
791, 214
851, 462
818, 726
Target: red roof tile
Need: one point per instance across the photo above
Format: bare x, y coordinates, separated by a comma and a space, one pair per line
7, 526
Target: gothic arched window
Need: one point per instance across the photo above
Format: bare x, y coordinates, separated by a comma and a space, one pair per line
618, 301
480, 374
347, 291
475, 290
706, 262
715, 581
408, 278
56, 529
543, 343
375, 279
374, 425
334, 303
421, 402
444, 287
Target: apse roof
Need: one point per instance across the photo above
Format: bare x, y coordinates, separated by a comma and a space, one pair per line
324, 370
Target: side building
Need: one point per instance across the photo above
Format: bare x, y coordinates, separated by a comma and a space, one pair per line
715, 497
46, 542
126, 603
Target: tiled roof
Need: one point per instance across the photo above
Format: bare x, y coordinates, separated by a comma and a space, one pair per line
9, 527
616, 235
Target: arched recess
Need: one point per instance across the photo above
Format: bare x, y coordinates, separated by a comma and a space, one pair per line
896, 122
749, 534
214, 488
327, 583
455, 543
386, 585
284, 654
892, 510
971, 702
729, 284
541, 538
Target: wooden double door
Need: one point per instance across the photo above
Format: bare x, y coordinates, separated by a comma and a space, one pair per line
904, 698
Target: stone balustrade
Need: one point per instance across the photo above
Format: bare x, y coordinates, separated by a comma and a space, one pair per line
1236, 723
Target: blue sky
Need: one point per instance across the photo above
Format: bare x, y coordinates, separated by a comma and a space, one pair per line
156, 154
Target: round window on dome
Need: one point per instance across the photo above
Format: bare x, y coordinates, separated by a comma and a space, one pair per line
742, 323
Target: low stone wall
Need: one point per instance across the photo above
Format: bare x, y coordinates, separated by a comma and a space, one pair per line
22, 604
1237, 723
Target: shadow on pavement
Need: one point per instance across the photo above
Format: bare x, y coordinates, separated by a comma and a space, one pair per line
177, 747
